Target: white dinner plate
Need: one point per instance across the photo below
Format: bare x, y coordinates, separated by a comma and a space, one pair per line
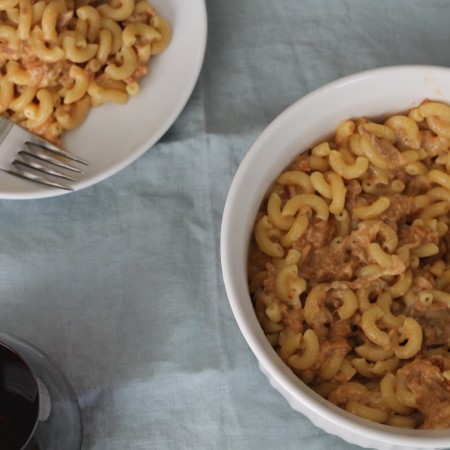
113, 136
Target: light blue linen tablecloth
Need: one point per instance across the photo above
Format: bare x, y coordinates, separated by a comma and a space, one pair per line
120, 284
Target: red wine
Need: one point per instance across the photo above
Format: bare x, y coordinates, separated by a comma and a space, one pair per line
19, 400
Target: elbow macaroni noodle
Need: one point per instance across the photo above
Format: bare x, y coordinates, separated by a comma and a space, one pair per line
349, 267
59, 58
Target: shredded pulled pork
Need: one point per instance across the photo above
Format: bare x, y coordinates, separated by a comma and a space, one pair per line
431, 391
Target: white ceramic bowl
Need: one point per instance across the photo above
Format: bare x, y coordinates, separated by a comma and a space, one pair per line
373, 93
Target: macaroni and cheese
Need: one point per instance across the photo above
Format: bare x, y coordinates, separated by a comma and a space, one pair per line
60, 57
349, 267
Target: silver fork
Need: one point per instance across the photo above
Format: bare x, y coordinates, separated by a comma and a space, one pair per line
25, 155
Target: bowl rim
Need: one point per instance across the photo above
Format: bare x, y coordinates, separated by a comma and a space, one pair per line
385, 434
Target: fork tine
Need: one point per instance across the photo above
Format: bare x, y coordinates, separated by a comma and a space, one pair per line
31, 177
43, 169
57, 151
43, 156
28, 156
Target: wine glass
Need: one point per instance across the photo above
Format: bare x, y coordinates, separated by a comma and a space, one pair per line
38, 407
